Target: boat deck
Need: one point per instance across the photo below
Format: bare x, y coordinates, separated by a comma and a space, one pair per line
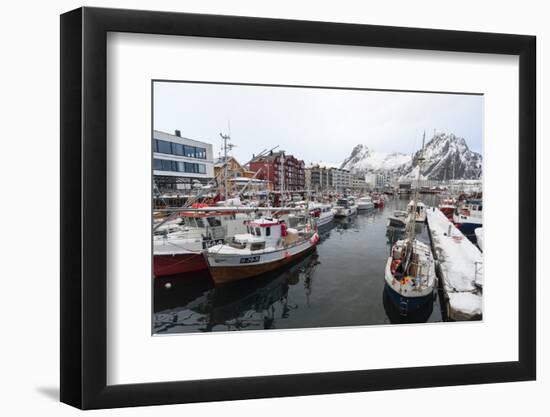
460, 267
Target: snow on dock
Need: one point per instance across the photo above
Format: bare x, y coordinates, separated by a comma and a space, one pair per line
460, 267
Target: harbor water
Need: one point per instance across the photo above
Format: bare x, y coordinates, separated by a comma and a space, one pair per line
340, 284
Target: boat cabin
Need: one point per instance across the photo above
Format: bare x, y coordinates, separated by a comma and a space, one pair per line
344, 202
261, 233
420, 207
472, 208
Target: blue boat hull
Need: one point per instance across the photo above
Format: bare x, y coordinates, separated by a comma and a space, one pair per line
468, 230
407, 305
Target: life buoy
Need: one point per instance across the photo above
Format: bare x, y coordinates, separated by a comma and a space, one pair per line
394, 264
283, 230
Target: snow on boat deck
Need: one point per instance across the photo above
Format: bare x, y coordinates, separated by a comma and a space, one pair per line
461, 266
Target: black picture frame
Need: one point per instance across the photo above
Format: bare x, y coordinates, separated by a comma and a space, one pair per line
84, 207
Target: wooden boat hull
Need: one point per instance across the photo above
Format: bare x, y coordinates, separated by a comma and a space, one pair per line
224, 274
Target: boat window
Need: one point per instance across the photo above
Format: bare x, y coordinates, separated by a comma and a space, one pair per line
200, 222
258, 231
236, 244
257, 246
213, 222
268, 231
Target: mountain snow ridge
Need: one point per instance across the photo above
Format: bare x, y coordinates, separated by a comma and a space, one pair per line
446, 156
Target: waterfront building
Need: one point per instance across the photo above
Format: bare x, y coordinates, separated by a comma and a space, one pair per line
328, 177
234, 170
319, 177
358, 183
341, 179
180, 163
281, 171
379, 180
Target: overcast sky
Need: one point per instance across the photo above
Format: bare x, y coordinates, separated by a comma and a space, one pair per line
313, 124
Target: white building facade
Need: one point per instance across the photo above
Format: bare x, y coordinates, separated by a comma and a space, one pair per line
180, 162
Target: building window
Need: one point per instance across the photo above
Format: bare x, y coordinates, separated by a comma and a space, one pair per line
166, 165
173, 148
177, 148
200, 153
178, 166
164, 147
189, 167
189, 151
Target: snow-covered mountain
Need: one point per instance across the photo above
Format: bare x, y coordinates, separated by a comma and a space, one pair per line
446, 156
362, 159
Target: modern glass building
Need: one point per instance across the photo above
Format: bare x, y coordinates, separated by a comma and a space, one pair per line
180, 162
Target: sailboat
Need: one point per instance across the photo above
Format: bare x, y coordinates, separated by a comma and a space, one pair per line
410, 268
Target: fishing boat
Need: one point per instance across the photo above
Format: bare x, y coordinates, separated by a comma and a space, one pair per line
321, 213
345, 207
179, 251
419, 210
378, 200
448, 206
398, 219
268, 245
365, 203
468, 217
410, 269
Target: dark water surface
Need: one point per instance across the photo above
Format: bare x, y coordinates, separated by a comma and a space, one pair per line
341, 284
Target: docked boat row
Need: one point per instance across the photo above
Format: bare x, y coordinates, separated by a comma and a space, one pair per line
240, 241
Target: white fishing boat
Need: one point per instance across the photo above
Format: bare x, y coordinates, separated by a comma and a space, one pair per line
410, 268
178, 244
321, 213
170, 226
365, 203
419, 210
398, 219
345, 207
267, 245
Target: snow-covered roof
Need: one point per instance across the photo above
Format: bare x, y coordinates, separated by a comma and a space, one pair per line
327, 165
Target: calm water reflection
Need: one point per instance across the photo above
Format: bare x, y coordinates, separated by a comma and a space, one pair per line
341, 284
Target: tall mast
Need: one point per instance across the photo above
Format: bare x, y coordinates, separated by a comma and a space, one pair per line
226, 147
411, 226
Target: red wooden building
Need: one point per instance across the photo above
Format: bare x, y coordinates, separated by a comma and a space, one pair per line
281, 171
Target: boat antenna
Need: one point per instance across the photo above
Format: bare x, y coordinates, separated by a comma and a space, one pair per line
227, 146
